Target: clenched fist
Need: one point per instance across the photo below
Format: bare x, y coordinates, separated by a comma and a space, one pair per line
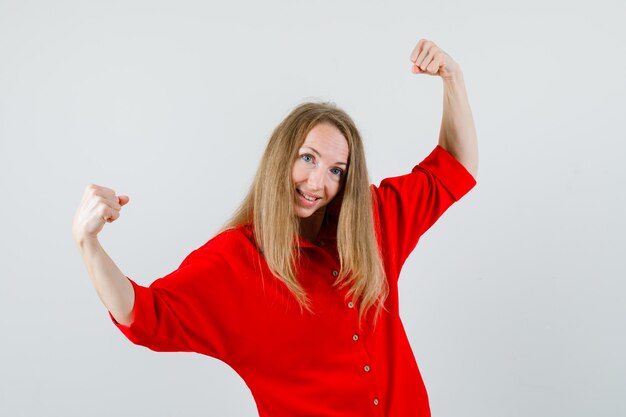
428, 58
99, 205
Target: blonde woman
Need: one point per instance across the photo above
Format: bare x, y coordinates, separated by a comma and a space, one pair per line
298, 293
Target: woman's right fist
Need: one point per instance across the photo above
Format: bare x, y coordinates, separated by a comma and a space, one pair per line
98, 206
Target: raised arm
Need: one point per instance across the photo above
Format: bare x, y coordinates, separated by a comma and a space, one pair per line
458, 133
98, 206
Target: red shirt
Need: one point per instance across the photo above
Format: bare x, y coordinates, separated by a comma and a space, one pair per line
224, 302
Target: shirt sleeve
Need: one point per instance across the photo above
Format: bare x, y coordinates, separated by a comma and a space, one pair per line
408, 205
186, 310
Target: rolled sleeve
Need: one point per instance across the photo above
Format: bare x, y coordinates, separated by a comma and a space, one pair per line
408, 205
143, 319
187, 310
454, 177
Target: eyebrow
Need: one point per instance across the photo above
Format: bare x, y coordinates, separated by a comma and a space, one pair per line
320, 155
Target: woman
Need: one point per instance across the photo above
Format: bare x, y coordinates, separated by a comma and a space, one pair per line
298, 293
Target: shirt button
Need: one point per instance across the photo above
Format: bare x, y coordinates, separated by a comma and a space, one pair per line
350, 304
355, 337
321, 243
375, 401
335, 273
367, 368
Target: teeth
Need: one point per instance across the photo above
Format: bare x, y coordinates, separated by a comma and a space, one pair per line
306, 196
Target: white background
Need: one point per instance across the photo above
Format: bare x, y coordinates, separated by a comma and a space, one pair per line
513, 301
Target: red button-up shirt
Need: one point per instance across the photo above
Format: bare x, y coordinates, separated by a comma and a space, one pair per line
224, 302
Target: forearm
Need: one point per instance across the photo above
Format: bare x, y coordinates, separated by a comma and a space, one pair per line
458, 133
112, 286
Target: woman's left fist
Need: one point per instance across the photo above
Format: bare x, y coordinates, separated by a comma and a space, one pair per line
428, 58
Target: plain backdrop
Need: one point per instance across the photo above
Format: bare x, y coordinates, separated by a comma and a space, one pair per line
514, 302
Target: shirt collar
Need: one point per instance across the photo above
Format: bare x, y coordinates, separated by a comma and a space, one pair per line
327, 234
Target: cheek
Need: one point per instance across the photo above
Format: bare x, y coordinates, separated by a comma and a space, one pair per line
333, 190
296, 175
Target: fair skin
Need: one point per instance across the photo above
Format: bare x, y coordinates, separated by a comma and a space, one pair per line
317, 175
458, 133
100, 205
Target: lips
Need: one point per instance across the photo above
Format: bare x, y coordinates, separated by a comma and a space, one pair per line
308, 199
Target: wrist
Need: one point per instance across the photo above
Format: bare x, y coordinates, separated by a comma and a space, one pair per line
453, 78
84, 241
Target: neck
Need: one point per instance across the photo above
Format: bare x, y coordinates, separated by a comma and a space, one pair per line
310, 226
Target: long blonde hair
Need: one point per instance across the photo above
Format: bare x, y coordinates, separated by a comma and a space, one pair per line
269, 207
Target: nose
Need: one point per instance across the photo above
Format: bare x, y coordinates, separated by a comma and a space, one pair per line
316, 179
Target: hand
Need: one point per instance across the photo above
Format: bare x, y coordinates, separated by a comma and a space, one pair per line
99, 205
428, 58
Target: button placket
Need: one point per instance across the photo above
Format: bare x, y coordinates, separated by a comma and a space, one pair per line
356, 336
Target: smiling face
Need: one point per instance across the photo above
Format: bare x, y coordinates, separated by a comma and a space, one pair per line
319, 168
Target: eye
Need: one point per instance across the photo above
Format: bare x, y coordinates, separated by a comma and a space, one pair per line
308, 158
337, 171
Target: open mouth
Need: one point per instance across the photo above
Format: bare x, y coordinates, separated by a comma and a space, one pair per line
307, 197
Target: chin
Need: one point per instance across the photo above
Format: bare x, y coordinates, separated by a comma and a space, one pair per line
305, 214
